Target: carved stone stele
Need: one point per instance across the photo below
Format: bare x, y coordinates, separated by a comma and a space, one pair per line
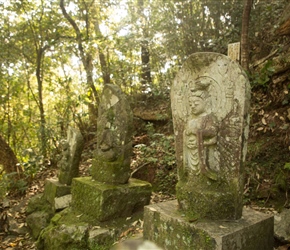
111, 163
210, 99
71, 156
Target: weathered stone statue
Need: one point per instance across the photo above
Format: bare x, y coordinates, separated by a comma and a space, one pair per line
72, 149
210, 104
109, 193
210, 99
114, 132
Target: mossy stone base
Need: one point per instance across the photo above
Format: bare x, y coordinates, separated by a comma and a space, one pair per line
117, 172
74, 230
105, 202
53, 189
168, 228
202, 198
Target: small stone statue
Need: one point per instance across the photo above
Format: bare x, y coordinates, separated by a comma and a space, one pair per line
71, 155
200, 134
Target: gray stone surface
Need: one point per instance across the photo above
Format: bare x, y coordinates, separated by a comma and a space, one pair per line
282, 225
167, 227
210, 100
111, 163
37, 221
62, 202
71, 156
98, 237
53, 189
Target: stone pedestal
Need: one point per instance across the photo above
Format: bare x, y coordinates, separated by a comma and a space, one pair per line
167, 227
54, 189
107, 201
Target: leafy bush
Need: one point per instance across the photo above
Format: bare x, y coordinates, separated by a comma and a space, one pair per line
262, 78
159, 153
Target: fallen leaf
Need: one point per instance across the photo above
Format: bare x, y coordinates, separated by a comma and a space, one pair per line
124, 234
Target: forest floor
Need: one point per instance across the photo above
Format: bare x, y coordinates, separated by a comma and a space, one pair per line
267, 168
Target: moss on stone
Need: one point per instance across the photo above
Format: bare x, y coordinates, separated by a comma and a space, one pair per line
53, 188
39, 203
96, 235
105, 201
174, 234
208, 199
111, 172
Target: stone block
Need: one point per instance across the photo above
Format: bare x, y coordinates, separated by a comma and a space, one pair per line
62, 202
168, 228
117, 172
104, 202
53, 188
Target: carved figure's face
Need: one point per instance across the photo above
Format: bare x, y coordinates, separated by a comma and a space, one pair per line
197, 105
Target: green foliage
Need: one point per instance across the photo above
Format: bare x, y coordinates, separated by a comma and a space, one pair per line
262, 78
287, 166
160, 153
8, 182
33, 163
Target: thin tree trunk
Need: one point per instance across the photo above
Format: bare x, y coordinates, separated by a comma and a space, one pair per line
39, 77
245, 34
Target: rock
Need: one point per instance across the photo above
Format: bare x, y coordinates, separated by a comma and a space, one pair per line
62, 202
282, 225
100, 237
37, 221
38, 203
69, 237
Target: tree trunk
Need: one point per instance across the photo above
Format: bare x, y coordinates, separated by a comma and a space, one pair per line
8, 159
103, 62
87, 59
39, 77
145, 53
245, 34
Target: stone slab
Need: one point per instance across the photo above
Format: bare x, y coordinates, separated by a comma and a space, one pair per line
53, 189
168, 228
62, 202
105, 202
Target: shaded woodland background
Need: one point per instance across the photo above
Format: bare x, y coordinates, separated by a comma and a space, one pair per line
57, 55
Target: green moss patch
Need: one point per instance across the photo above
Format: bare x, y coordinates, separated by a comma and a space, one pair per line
105, 202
